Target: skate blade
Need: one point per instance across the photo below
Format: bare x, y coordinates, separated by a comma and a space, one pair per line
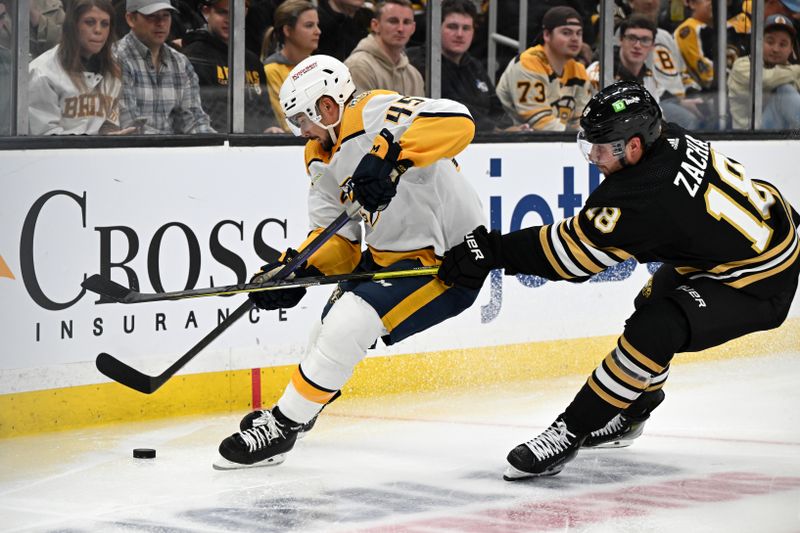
224, 464
514, 474
611, 444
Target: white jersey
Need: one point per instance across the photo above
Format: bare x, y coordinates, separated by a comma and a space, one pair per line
668, 68
58, 107
435, 205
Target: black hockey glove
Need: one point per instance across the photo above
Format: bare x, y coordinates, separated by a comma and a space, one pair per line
467, 264
282, 298
372, 183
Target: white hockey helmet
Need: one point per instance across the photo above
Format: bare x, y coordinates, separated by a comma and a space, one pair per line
309, 80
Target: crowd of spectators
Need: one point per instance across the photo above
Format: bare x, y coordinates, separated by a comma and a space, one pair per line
161, 66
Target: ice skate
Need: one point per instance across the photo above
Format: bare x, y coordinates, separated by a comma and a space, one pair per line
627, 426
545, 455
263, 445
259, 417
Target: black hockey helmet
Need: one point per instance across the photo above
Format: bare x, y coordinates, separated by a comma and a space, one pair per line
621, 111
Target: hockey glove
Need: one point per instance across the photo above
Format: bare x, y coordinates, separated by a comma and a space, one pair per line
467, 264
281, 298
372, 184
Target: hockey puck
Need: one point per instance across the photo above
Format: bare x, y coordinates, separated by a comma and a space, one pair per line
144, 453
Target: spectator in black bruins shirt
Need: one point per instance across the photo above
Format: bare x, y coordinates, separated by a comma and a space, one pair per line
207, 49
464, 79
343, 24
728, 247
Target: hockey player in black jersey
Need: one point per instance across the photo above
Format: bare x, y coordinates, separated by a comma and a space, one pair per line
728, 244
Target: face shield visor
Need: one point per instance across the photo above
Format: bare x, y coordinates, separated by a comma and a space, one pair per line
300, 120
601, 154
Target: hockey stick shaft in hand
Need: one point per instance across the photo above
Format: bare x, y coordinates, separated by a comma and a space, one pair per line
126, 375
106, 287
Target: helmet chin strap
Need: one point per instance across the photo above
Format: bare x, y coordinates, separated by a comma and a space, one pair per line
332, 127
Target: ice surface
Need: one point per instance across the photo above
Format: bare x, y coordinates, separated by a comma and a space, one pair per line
721, 454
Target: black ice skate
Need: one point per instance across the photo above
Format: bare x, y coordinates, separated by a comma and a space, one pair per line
627, 426
262, 445
545, 455
259, 418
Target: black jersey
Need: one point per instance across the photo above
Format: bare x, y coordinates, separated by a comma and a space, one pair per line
684, 204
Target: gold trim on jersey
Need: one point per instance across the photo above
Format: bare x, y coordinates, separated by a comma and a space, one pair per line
352, 124
337, 256
413, 303
386, 258
315, 152
789, 247
578, 253
617, 254
548, 252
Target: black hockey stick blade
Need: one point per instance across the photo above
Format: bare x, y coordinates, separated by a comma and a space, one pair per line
119, 293
130, 377
105, 287
126, 375
115, 369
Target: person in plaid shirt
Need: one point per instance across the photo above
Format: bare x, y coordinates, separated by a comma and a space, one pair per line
160, 92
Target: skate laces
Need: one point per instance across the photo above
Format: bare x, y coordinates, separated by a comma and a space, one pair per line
260, 436
615, 424
262, 419
553, 441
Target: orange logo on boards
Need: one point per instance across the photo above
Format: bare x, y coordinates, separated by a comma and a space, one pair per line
5, 272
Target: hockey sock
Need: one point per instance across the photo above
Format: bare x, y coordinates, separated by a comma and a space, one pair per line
640, 362
347, 331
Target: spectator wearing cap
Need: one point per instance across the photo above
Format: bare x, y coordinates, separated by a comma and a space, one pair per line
781, 79
207, 49
160, 91
544, 86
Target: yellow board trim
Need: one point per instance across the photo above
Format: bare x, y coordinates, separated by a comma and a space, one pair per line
44, 411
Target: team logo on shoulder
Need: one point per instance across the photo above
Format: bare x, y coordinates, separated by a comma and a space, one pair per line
354, 102
684, 33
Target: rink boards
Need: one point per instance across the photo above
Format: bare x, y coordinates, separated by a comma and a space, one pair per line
191, 217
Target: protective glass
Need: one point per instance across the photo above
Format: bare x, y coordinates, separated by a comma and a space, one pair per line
600, 153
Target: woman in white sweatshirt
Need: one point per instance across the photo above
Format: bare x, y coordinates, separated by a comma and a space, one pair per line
74, 87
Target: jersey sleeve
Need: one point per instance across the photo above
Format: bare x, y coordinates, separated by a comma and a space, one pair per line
337, 256
560, 251
426, 129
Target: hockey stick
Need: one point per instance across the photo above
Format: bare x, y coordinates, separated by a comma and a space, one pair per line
120, 372
106, 287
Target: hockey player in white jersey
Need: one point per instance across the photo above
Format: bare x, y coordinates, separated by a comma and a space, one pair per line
394, 155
